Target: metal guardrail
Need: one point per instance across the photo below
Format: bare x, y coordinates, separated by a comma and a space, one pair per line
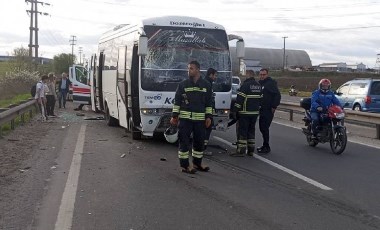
9, 115
371, 118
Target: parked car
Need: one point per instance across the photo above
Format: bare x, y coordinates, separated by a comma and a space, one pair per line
235, 88
361, 94
236, 80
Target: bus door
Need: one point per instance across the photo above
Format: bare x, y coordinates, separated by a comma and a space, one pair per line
122, 87
92, 75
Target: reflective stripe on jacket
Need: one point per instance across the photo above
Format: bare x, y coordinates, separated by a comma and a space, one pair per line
248, 98
193, 101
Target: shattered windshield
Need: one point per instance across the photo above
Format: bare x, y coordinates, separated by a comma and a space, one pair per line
170, 50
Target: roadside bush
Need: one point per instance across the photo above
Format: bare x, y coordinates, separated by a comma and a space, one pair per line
17, 82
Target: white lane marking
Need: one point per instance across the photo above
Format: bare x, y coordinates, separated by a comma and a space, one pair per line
66, 209
282, 168
352, 141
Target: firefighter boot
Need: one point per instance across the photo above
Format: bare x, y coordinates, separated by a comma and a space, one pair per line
251, 151
197, 163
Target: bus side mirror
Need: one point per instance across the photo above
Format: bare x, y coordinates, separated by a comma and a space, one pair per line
240, 50
143, 46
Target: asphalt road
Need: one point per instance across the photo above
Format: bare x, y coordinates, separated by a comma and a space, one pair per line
96, 186
82, 174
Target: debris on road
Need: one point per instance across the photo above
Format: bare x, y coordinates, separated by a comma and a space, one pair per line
24, 169
123, 155
94, 118
13, 139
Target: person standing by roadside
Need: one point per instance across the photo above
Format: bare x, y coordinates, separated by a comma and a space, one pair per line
246, 109
192, 113
50, 95
271, 99
210, 77
63, 87
40, 96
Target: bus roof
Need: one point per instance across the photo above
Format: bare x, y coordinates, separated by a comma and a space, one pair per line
182, 21
177, 21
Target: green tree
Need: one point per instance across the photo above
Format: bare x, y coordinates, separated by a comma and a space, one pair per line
21, 60
62, 62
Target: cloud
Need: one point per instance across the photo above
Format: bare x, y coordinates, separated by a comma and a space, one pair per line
316, 27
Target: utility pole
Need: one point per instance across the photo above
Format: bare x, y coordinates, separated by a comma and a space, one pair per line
283, 58
34, 27
80, 55
378, 63
72, 43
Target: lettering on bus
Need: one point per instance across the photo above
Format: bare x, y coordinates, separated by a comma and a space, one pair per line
193, 24
188, 37
169, 100
154, 97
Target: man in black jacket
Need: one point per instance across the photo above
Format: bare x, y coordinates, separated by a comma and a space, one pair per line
63, 88
192, 112
271, 99
247, 106
210, 77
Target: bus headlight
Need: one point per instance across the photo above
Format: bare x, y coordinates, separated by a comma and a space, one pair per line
224, 112
155, 112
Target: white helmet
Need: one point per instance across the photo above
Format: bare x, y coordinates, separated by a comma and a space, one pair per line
171, 134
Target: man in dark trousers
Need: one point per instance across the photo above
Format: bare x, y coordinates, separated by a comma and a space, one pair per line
210, 77
63, 89
247, 106
192, 113
271, 99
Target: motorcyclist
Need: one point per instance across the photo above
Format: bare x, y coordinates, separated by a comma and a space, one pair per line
321, 99
292, 91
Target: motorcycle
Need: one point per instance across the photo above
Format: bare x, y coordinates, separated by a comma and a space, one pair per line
331, 128
292, 92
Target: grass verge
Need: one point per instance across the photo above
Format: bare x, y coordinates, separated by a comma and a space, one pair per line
14, 100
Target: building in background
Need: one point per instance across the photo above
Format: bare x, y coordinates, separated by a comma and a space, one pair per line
41, 60
342, 67
257, 58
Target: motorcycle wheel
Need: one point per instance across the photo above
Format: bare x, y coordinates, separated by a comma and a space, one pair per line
339, 141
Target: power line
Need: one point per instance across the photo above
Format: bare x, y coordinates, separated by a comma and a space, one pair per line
72, 43
80, 54
34, 26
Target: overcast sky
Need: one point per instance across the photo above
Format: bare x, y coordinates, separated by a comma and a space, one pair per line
329, 31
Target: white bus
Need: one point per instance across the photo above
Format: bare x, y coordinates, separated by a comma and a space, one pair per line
136, 71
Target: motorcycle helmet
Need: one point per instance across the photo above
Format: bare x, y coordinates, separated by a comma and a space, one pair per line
171, 134
324, 85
